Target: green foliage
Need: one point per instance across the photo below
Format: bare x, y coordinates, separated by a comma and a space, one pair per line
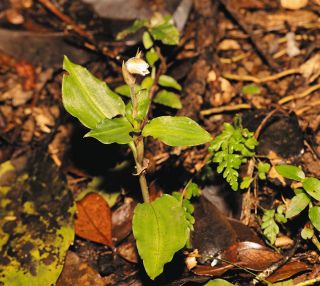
246, 182
303, 197
176, 131
168, 98
290, 172
269, 224
230, 149
263, 169
297, 204
251, 89
218, 282
88, 98
160, 229
135, 27
168, 81
165, 32
147, 41
116, 130
152, 57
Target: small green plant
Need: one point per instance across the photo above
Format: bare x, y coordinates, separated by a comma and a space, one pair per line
158, 28
233, 147
306, 196
161, 227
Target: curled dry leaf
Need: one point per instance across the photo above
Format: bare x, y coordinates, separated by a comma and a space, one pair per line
93, 220
311, 68
294, 4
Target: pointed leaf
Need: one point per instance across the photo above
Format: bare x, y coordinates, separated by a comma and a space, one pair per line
312, 186
88, 98
290, 172
152, 57
160, 229
168, 98
116, 130
314, 216
166, 33
176, 131
123, 90
147, 40
297, 205
218, 282
94, 219
168, 81
137, 25
143, 104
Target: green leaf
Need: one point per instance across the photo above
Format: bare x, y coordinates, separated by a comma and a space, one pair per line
312, 186
116, 130
314, 216
88, 98
147, 82
137, 25
160, 229
307, 232
251, 89
143, 104
284, 283
166, 33
297, 205
192, 190
168, 98
269, 226
246, 182
146, 40
290, 172
168, 81
123, 90
152, 57
218, 282
176, 131
263, 169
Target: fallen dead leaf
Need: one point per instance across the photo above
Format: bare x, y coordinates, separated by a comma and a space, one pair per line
294, 4
93, 220
228, 44
311, 68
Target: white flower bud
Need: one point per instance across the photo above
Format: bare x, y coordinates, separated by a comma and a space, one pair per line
136, 65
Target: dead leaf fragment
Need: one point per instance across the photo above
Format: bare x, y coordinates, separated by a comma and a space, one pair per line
228, 44
93, 220
311, 68
294, 4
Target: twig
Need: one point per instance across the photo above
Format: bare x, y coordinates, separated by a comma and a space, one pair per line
264, 79
230, 6
53, 9
306, 108
299, 95
271, 269
222, 109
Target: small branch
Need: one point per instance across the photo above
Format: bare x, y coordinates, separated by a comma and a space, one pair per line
299, 95
264, 79
222, 109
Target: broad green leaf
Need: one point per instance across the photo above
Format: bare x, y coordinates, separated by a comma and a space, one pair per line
160, 229
36, 224
307, 232
152, 57
246, 182
297, 205
218, 282
147, 82
123, 90
166, 33
143, 104
88, 98
168, 81
314, 216
168, 98
251, 89
290, 172
137, 25
147, 40
176, 131
116, 130
312, 186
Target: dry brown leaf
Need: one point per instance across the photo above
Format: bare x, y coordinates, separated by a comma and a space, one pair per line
294, 4
93, 220
228, 44
311, 68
